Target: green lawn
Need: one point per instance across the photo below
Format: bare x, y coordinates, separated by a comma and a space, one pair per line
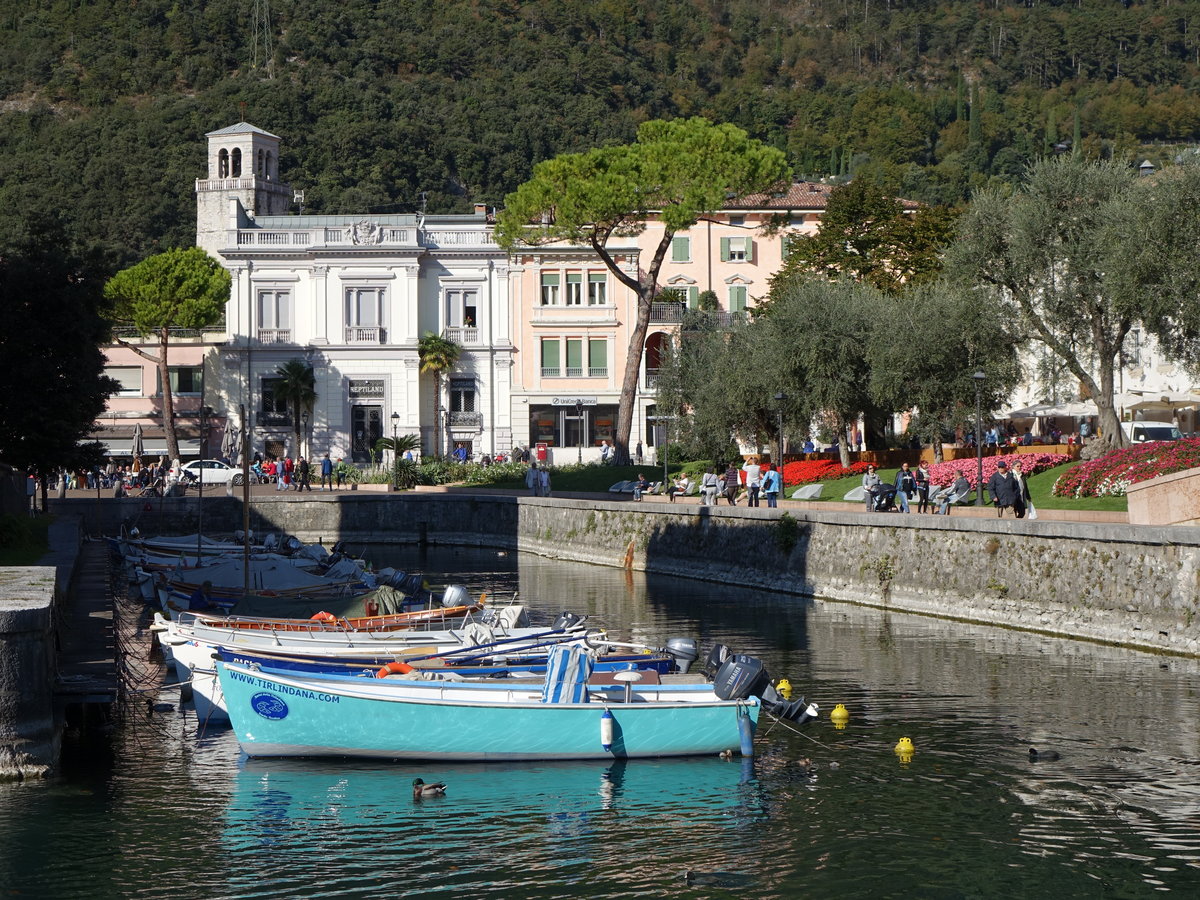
1039, 489
25, 540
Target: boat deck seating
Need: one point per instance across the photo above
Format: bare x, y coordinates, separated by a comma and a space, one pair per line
808, 492
649, 676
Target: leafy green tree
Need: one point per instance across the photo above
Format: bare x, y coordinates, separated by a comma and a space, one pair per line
925, 348
52, 383
676, 172
438, 356
175, 289
297, 384
1067, 255
866, 234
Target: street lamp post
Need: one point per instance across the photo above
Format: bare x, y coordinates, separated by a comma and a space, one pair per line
395, 455
779, 398
979, 378
304, 434
579, 421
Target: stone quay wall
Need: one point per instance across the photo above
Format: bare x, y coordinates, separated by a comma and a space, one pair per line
29, 737
1131, 586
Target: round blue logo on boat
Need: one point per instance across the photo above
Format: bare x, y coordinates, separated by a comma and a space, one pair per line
269, 706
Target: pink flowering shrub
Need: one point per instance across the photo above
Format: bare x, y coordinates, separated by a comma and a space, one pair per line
943, 474
1112, 474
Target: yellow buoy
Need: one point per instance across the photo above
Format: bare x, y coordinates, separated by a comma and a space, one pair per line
905, 750
785, 688
840, 716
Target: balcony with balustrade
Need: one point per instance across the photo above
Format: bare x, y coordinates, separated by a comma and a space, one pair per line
463, 335
274, 335
364, 334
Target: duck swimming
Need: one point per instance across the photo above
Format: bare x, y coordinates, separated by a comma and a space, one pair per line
1036, 755
422, 790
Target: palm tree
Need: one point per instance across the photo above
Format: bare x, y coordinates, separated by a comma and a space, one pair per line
437, 355
297, 385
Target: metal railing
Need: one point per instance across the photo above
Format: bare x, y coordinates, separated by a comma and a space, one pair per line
467, 419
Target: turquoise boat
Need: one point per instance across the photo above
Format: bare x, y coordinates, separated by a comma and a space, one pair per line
567, 715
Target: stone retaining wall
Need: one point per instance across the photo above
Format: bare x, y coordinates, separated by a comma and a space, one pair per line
1112, 583
28, 734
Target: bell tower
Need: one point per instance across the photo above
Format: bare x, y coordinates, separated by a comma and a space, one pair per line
242, 183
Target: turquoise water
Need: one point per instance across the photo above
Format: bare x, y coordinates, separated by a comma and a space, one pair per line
164, 811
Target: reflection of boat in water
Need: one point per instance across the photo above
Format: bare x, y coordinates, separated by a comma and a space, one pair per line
279, 801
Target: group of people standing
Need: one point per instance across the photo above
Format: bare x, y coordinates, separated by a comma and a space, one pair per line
760, 482
538, 480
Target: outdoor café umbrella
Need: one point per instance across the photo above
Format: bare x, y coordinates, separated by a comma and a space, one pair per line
230, 443
135, 448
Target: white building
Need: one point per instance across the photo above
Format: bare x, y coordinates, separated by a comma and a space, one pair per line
351, 295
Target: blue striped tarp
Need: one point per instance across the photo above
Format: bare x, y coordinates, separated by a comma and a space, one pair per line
567, 672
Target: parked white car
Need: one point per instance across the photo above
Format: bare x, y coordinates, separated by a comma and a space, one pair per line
215, 472
1143, 432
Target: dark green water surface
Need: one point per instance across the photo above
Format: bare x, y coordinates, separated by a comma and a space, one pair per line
166, 812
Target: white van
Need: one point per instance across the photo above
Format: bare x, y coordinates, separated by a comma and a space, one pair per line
1143, 432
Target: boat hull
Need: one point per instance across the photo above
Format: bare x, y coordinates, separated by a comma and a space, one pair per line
278, 715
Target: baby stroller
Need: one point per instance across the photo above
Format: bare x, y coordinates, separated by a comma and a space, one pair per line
154, 489
884, 496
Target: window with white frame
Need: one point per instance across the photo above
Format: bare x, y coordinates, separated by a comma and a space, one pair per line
574, 296
550, 287
462, 308
274, 316
737, 249
597, 289
364, 312
681, 249
128, 377
737, 220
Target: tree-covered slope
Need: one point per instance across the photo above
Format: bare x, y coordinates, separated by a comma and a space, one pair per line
104, 103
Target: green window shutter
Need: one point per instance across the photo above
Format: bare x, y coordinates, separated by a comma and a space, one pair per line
737, 298
681, 249
725, 249
597, 353
550, 353
693, 297
574, 353
749, 245
785, 246
573, 278
549, 280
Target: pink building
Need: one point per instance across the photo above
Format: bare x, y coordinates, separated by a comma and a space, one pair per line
573, 318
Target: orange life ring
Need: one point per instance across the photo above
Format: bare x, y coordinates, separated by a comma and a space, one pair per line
394, 668
323, 617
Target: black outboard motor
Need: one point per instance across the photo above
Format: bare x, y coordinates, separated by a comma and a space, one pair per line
685, 651
741, 677
716, 658
565, 621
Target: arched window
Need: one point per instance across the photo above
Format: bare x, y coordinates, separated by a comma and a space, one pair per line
261, 171
223, 164
237, 162
656, 348
269, 174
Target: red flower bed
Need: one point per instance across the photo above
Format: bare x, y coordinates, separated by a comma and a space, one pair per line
1110, 475
810, 471
945, 473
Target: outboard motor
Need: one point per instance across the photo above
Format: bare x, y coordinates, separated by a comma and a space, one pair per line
685, 651
456, 595
566, 621
740, 678
798, 711
716, 658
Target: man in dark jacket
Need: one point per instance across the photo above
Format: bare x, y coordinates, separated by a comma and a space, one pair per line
1002, 488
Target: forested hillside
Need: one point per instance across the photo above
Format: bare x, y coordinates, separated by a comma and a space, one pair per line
104, 103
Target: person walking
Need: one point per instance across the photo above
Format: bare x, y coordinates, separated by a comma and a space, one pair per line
1023, 501
906, 486
326, 473
638, 453
341, 472
708, 487
304, 471
921, 478
543, 482
531, 480
732, 482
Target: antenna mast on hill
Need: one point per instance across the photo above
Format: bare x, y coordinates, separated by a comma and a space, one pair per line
261, 48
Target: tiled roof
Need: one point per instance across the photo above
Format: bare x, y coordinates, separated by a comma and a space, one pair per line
799, 195
241, 128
